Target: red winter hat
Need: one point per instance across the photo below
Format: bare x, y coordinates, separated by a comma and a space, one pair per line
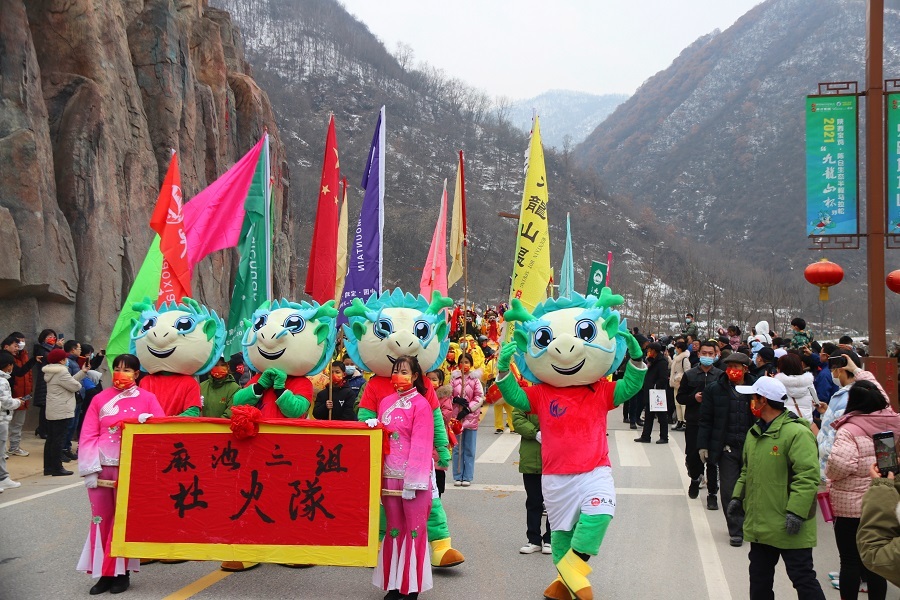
56, 355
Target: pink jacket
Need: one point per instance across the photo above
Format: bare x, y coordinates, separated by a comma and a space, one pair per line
101, 432
852, 455
409, 424
473, 393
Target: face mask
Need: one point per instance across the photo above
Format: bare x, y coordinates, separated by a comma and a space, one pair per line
836, 381
688, 321
735, 375
239, 369
122, 380
401, 381
21, 345
465, 368
351, 371
707, 361
218, 372
337, 379
50, 341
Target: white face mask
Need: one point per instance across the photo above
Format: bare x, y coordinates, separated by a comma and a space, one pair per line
836, 381
21, 345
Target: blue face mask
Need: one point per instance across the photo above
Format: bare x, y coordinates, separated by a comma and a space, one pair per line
707, 361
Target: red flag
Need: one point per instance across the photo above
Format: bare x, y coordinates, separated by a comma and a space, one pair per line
322, 272
168, 222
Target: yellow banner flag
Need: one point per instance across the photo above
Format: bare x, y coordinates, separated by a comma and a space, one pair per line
457, 230
341, 249
531, 269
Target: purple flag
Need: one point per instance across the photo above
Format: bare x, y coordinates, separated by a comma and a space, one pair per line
364, 261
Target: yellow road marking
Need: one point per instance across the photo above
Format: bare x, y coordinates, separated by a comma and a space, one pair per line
199, 585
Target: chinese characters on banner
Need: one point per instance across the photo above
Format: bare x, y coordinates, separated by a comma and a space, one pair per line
892, 156
831, 165
295, 493
531, 264
597, 278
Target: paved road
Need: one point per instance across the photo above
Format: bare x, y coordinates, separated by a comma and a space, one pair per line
660, 545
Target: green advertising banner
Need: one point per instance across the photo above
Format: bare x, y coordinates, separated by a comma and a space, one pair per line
832, 186
892, 156
597, 278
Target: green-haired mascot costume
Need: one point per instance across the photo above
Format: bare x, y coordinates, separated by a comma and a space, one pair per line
175, 343
283, 343
381, 330
567, 348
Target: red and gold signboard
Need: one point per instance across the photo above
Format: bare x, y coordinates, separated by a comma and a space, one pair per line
298, 492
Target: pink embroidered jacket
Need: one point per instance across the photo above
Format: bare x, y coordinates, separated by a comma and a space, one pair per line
469, 387
852, 455
409, 424
101, 432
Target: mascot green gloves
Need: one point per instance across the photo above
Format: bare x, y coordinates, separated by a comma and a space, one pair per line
567, 347
372, 337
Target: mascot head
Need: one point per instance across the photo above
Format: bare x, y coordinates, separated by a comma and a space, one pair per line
185, 338
296, 338
569, 341
392, 324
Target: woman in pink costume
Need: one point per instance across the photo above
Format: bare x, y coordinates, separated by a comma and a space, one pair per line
404, 567
98, 458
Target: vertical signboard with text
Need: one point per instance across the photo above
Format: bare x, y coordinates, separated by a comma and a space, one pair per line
892, 157
832, 185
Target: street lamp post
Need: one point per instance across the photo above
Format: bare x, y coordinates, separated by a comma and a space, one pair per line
884, 368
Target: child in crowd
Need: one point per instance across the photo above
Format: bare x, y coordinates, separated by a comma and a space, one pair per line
530, 467
218, 391
7, 405
468, 396
445, 397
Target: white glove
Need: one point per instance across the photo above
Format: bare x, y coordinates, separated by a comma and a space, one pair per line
143, 417
408, 494
538, 437
90, 480
704, 455
371, 423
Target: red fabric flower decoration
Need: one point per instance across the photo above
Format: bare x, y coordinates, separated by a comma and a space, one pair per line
774, 448
245, 421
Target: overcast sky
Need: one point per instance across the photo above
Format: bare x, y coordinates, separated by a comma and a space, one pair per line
520, 48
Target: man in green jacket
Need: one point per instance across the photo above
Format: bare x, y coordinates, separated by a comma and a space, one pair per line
777, 492
530, 468
878, 537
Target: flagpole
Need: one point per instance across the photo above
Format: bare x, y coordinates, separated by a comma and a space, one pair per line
462, 198
268, 217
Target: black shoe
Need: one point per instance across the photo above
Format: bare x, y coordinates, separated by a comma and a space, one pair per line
411, 596
633, 426
65, 459
121, 584
393, 595
662, 441
642, 440
712, 502
70, 455
102, 586
736, 541
625, 420
640, 422
694, 488
496, 432
60, 473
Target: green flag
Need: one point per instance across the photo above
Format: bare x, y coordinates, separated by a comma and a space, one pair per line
146, 285
597, 279
253, 281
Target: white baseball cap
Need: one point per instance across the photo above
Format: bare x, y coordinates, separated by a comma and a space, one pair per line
767, 387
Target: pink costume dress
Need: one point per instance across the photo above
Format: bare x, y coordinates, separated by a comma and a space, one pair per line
404, 562
98, 452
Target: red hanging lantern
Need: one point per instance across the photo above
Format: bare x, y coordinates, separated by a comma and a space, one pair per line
893, 281
824, 274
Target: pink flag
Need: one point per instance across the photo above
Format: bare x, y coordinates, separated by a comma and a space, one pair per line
434, 275
213, 218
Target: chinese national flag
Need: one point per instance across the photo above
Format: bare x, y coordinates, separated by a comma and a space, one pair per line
321, 276
168, 222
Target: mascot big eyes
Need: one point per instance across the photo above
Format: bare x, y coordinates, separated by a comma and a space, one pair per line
185, 338
295, 338
394, 324
569, 346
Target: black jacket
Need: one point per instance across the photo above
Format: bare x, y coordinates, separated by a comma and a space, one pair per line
694, 380
657, 375
40, 386
766, 370
725, 417
342, 398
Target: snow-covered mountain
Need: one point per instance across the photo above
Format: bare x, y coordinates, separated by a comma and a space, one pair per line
565, 113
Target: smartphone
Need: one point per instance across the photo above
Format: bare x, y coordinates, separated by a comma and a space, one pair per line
886, 453
837, 362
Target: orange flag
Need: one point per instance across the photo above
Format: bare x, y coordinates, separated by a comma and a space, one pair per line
168, 222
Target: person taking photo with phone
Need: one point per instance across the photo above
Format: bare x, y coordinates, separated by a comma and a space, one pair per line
847, 479
845, 370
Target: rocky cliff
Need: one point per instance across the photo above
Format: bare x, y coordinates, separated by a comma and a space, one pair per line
93, 95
